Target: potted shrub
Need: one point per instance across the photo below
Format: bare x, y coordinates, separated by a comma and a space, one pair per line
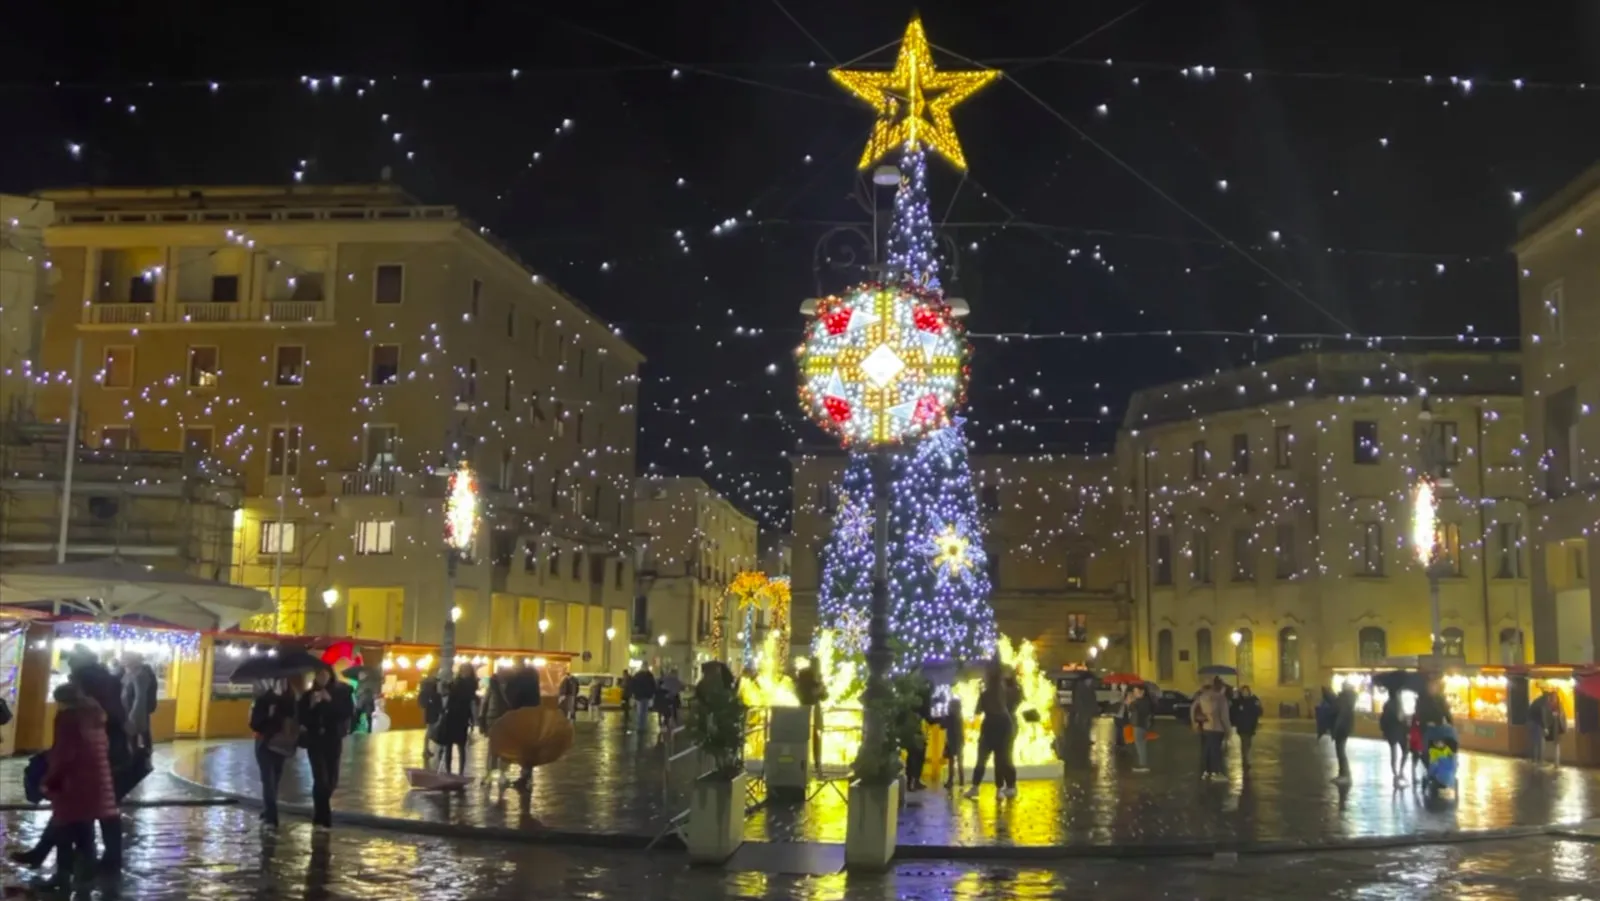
716, 810
873, 825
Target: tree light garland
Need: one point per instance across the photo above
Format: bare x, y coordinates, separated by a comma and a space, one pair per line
461, 509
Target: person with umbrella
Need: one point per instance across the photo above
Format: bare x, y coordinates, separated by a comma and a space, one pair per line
460, 704
324, 714
277, 734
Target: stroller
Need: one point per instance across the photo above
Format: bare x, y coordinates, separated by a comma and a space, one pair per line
1443, 755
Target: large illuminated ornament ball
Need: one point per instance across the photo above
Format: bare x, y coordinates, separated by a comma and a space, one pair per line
882, 365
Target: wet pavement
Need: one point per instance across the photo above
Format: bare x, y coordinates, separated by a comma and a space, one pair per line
218, 854
609, 789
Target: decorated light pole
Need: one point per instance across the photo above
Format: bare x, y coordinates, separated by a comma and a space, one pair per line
1433, 477
460, 530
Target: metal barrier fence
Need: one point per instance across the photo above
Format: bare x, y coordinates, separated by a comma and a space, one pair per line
677, 790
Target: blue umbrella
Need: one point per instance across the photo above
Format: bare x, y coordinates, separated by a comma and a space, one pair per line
1218, 670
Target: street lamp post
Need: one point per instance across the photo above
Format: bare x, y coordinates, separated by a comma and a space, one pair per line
460, 528
1425, 543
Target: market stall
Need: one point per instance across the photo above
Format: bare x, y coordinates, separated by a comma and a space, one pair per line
404, 666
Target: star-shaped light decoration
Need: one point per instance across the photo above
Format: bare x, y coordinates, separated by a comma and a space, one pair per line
882, 365
950, 551
913, 100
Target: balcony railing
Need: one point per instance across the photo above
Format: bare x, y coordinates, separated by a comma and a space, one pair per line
121, 313
210, 311
207, 312
381, 483
297, 310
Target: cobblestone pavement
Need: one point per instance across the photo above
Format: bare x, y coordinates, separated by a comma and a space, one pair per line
218, 854
608, 786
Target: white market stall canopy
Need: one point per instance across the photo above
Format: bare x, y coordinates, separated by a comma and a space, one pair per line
112, 588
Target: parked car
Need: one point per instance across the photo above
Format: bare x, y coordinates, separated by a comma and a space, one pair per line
1174, 704
610, 689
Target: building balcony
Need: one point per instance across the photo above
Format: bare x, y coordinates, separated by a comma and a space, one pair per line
372, 483
206, 313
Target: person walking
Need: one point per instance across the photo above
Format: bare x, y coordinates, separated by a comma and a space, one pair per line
455, 726
1397, 733
496, 700
139, 689
1555, 725
1538, 712
995, 734
569, 691
1210, 715
523, 688
955, 742
431, 700
1245, 713
77, 782
324, 722
1344, 722
669, 697
1141, 714
273, 719
642, 689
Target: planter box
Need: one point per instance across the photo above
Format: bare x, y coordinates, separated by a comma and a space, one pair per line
716, 819
873, 826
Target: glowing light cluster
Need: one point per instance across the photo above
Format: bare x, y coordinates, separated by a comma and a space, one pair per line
882, 366
461, 509
1424, 521
913, 100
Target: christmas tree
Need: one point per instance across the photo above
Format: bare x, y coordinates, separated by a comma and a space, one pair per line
844, 593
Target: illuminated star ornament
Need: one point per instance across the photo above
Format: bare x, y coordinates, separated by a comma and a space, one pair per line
882, 365
950, 552
461, 508
913, 100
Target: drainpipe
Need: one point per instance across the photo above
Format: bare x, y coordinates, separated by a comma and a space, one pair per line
1483, 543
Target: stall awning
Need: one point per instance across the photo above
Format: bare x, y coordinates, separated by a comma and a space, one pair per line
115, 589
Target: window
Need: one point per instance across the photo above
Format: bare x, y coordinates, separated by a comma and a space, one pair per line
1561, 447
1288, 656
389, 283
597, 570
641, 615
385, 368
117, 371
197, 440
379, 450
577, 565
1450, 546
1078, 627
1575, 554
555, 563
116, 437
224, 289
477, 298
1508, 541
1077, 566
1369, 559
537, 338
509, 387
1511, 646
203, 369
1283, 447
1244, 556
561, 350
511, 321
1200, 570
283, 455
289, 366
278, 537
1164, 655
1241, 454
142, 288
1197, 461
1372, 644
1554, 312
561, 419
1244, 656
530, 558
1163, 574
1202, 648
991, 498
617, 582
555, 490
471, 394
577, 427
1365, 449
1446, 438
375, 536
582, 355
1453, 643
1284, 551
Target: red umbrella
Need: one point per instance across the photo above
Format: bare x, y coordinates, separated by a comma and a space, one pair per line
1589, 684
1122, 679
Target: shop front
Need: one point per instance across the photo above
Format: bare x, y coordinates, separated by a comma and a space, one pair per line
405, 666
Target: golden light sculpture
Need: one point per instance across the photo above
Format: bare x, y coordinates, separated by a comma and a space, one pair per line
1424, 521
461, 508
913, 100
950, 551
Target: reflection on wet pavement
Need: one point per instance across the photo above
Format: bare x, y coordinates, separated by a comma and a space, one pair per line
218, 854
609, 786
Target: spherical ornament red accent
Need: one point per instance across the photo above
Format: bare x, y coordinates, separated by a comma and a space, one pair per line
838, 409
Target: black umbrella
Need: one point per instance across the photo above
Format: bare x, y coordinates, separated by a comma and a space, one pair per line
360, 672
1395, 681
277, 666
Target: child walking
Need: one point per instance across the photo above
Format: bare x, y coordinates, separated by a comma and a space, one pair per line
955, 736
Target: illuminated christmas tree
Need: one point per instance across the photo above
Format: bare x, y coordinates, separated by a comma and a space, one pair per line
845, 591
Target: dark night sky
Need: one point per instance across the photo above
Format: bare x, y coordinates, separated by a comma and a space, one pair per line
1362, 228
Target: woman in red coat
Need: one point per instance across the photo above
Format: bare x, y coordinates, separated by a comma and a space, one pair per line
78, 781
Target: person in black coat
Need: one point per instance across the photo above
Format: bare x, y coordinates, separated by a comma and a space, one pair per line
324, 714
460, 706
273, 720
1245, 714
431, 700
523, 688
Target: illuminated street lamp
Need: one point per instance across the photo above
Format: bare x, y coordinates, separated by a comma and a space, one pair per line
460, 530
661, 640
1236, 637
611, 634
544, 626
330, 597
1104, 642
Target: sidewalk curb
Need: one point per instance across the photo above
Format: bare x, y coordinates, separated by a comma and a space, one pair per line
222, 801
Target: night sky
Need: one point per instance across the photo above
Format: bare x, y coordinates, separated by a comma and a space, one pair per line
1306, 179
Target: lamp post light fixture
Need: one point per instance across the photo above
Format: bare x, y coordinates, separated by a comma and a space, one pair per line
544, 626
455, 615
1236, 637
1094, 652
611, 634
330, 596
1104, 642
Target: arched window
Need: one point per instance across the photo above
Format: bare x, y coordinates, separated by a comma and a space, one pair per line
1374, 645
1453, 643
1511, 646
1202, 648
1288, 656
1244, 657
1164, 655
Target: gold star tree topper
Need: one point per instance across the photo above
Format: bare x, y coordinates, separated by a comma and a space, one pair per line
913, 100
